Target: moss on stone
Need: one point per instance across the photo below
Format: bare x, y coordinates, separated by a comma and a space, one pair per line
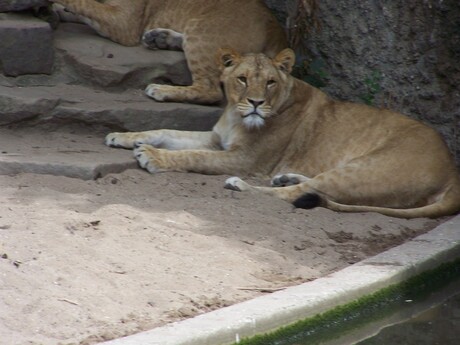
369, 308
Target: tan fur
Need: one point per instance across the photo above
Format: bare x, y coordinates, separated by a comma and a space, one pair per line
356, 158
204, 25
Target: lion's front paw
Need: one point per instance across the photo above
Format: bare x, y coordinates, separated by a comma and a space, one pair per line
146, 156
236, 184
157, 91
119, 140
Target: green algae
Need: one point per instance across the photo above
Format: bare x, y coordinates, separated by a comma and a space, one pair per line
354, 315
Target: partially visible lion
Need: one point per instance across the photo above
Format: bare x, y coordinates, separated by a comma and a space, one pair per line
198, 27
343, 156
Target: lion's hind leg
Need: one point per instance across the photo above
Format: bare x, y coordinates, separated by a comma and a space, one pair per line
162, 39
373, 183
284, 180
112, 19
301, 195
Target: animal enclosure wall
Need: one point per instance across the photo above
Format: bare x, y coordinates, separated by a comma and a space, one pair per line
399, 54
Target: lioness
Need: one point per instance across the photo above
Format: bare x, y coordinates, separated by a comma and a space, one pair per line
198, 27
343, 156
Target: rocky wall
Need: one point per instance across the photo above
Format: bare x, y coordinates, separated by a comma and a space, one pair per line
399, 54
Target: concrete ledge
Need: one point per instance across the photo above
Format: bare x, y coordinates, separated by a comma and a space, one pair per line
267, 313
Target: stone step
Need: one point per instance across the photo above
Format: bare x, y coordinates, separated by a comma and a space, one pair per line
97, 83
99, 61
130, 110
26, 45
72, 153
19, 5
80, 52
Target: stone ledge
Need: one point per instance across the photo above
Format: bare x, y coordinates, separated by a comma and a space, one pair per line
27, 45
20, 5
130, 110
61, 153
99, 61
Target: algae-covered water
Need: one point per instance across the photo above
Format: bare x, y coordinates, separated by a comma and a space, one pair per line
439, 324
422, 310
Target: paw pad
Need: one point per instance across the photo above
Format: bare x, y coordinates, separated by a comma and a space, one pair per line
284, 181
162, 39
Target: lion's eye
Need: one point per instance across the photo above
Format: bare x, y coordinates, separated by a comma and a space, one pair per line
243, 80
271, 82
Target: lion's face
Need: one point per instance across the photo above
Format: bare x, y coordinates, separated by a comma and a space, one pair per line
255, 85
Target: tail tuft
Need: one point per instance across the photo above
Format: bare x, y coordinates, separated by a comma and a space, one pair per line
309, 200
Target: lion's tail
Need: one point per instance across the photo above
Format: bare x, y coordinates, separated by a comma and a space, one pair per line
448, 204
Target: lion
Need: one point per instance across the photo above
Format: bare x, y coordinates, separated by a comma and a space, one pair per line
198, 27
343, 156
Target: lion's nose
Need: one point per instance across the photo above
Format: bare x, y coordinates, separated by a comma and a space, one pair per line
255, 102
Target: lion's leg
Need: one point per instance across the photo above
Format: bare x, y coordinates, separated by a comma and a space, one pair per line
200, 53
288, 187
288, 193
201, 161
117, 20
162, 138
284, 180
379, 180
201, 92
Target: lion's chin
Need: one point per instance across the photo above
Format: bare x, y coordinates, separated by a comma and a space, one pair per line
253, 121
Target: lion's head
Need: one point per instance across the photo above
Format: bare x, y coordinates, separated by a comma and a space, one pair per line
255, 85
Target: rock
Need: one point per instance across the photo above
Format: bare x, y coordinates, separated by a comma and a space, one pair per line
105, 63
19, 104
401, 55
129, 110
76, 154
97, 81
19, 5
26, 45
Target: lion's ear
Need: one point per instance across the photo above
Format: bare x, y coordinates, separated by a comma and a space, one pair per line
285, 60
227, 57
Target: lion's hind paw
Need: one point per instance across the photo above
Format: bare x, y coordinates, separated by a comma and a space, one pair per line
162, 39
284, 180
236, 184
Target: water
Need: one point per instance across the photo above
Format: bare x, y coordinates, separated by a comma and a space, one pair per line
431, 319
427, 319
424, 310
439, 324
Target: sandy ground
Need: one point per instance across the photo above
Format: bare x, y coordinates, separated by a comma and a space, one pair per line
86, 261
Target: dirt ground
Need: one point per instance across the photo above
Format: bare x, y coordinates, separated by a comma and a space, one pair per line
86, 261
